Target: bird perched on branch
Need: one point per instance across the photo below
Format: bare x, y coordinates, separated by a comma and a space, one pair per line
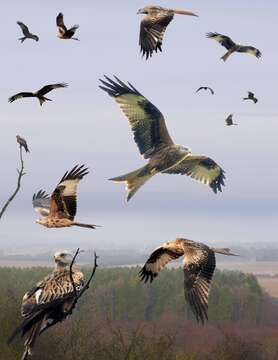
22, 143
38, 94
229, 120
233, 47
154, 143
153, 27
26, 33
205, 88
252, 97
198, 268
59, 210
65, 33
50, 301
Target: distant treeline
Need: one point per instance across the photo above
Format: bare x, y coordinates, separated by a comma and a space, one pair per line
122, 318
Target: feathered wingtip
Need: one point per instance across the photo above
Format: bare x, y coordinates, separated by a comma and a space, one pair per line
118, 88
77, 172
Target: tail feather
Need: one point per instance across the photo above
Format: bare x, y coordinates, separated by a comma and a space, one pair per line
184, 12
88, 226
223, 251
30, 341
134, 180
43, 99
22, 39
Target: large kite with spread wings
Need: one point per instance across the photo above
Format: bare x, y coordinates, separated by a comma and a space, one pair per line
59, 210
154, 143
198, 268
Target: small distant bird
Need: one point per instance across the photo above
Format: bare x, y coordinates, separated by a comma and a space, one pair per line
65, 33
154, 143
50, 301
59, 210
153, 27
251, 96
22, 143
198, 268
233, 47
38, 94
229, 120
26, 33
205, 88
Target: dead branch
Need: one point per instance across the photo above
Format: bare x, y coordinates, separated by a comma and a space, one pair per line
21, 173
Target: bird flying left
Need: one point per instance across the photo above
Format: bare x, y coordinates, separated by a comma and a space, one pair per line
27, 34
64, 32
59, 210
38, 94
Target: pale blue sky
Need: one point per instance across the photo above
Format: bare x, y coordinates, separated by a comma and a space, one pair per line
83, 125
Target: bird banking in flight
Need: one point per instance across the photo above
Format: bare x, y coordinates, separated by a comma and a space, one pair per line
65, 33
153, 27
233, 47
154, 143
26, 33
59, 210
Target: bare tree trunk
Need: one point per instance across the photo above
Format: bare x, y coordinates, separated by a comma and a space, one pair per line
21, 173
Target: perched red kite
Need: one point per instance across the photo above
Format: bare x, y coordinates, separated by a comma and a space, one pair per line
22, 143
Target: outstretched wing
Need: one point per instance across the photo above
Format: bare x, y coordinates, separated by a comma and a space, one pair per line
46, 89
60, 24
200, 88
63, 199
20, 96
198, 270
24, 28
222, 39
146, 121
250, 50
157, 261
152, 30
201, 168
41, 202
211, 90
250, 94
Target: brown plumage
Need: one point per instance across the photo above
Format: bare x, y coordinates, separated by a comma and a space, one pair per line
198, 269
60, 209
232, 46
154, 143
49, 302
27, 34
38, 94
65, 33
22, 143
153, 27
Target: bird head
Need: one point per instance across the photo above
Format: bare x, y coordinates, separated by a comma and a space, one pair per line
62, 258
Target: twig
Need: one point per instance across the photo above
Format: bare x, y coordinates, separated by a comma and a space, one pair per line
21, 173
71, 275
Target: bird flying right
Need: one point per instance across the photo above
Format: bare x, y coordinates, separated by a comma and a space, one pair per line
27, 34
64, 32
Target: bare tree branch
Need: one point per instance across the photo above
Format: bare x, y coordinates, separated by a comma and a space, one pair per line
21, 173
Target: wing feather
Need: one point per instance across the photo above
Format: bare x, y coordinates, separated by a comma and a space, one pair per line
250, 50
60, 23
24, 28
47, 88
41, 202
20, 96
224, 40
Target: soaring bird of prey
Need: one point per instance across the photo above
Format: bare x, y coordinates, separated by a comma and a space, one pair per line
154, 143
198, 269
65, 33
59, 210
26, 33
22, 143
38, 94
233, 47
229, 120
251, 96
153, 27
50, 301
205, 88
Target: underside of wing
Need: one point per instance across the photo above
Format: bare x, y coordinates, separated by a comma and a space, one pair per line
24, 28
250, 50
146, 121
222, 39
152, 32
60, 23
47, 88
201, 168
157, 261
198, 272
20, 96
41, 202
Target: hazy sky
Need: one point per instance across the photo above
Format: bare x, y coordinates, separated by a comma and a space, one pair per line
84, 125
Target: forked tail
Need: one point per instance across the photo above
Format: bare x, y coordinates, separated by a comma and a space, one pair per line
22, 39
43, 99
223, 251
184, 12
134, 180
88, 226
228, 53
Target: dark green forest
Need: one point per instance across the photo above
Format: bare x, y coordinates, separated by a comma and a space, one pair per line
121, 318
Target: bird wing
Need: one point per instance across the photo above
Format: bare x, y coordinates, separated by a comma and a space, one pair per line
60, 24
146, 121
152, 30
63, 201
41, 202
20, 95
200, 88
222, 39
157, 261
47, 88
199, 265
211, 90
250, 94
201, 168
250, 50
24, 28
72, 30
